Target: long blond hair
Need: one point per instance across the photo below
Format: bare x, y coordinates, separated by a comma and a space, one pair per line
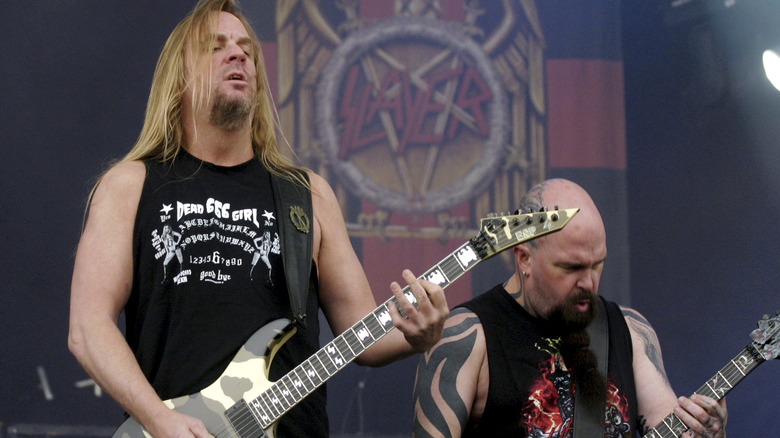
162, 135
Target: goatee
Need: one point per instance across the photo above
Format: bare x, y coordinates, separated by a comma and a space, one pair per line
566, 318
229, 114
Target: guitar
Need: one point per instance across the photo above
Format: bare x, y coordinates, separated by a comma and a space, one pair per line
765, 346
244, 403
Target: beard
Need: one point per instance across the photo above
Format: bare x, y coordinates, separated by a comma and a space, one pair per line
565, 318
229, 114
571, 324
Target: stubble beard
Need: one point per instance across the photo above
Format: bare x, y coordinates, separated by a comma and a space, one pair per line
229, 114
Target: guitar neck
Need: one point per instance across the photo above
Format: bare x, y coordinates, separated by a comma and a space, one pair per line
717, 387
313, 372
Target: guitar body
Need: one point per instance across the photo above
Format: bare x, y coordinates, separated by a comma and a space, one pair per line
244, 379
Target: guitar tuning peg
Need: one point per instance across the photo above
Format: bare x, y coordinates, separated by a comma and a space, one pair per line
554, 217
556, 208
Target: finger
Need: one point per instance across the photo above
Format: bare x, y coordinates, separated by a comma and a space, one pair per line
435, 294
416, 293
699, 414
691, 414
401, 305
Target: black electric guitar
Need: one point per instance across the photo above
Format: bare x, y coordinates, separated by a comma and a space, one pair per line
765, 346
244, 403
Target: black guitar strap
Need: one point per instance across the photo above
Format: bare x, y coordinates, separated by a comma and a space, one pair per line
585, 425
293, 204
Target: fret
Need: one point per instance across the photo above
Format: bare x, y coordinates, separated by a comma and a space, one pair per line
315, 370
328, 366
293, 384
437, 276
344, 349
257, 410
363, 335
277, 399
303, 378
335, 355
289, 395
675, 425
270, 400
312, 374
717, 387
739, 368
384, 319
352, 341
319, 369
379, 322
466, 257
265, 403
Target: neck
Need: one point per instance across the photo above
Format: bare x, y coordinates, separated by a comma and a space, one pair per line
514, 287
218, 146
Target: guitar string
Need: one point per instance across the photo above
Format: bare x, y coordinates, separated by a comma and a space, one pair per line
452, 270
732, 373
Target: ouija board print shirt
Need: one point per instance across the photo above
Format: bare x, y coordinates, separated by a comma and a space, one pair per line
208, 270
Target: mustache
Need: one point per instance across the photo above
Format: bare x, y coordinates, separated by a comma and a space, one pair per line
566, 319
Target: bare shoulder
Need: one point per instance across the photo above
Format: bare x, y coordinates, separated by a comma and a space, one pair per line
647, 347
634, 319
641, 329
118, 192
320, 188
462, 326
125, 178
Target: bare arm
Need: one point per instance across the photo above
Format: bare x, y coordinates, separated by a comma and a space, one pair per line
346, 295
656, 398
102, 280
452, 379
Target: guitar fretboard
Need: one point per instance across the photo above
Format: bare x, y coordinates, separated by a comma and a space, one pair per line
717, 387
313, 372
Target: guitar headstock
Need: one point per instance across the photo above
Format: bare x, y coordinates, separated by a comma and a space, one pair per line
766, 338
502, 231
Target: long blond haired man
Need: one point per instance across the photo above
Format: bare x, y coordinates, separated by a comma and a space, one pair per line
207, 164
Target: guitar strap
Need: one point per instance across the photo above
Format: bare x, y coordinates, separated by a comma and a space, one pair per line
293, 204
585, 425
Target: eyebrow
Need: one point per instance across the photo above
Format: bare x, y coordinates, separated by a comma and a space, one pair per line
221, 37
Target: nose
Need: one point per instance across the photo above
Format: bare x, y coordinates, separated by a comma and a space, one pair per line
235, 53
588, 280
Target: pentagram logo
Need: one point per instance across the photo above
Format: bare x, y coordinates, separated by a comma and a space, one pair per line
412, 115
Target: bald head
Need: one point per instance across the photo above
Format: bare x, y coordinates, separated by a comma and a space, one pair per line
560, 193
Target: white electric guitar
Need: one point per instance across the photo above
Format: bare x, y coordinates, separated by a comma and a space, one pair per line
765, 346
243, 403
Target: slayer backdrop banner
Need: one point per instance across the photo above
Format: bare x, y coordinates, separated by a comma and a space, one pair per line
427, 115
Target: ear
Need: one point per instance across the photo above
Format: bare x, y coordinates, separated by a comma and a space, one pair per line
522, 254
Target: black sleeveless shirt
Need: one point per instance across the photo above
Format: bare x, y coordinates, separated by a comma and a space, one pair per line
531, 392
208, 273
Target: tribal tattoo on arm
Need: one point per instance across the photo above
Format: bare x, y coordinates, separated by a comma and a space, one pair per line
438, 404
